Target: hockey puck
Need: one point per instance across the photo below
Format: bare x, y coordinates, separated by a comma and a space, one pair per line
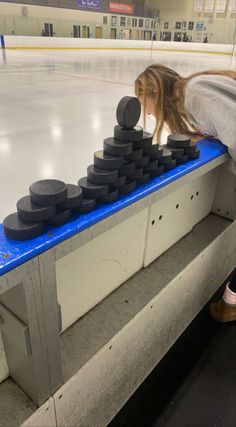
127, 168
29, 211
16, 229
145, 142
74, 197
177, 153
130, 135
128, 112
171, 164
195, 155
178, 140
157, 172
151, 166
142, 162
110, 197
138, 173
121, 180
166, 156
182, 160
60, 217
128, 187
86, 206
135, 155
103, 161
101, 176
191, 148
113, 148
143, 179
92, 191
48, 192
157, 154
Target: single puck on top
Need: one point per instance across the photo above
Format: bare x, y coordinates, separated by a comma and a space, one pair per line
104, 161
191, 148
178, 140
86, 206
135, 155
92, 191
145, 142
171, 164
29, 211
60, 217
166, 156
74, 197
128, 112
128, 187
48, 192
182, 160
140, 163
101, 176
195, 155
16, 229
152, 165
121, 180
113, 148
158, 171
143, 179
110, 197
130, 135
138, 173
127, 168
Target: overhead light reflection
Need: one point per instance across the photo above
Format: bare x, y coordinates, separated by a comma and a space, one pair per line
5, 145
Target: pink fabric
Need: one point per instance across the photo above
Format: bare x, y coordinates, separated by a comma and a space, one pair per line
229, 296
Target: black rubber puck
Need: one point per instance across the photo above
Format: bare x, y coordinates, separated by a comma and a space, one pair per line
142, 162
112, 196
143, 179
152, 149
29, 211
191, 148
157, 172
178, 140
135, 155
128, 187
16, 229
127, 168
113, 148
152, 165
166, 156
101, 176
194, 156
128, 112
59, 218
177, 153
182, 160
92, 191
131, 135
145, 142
138, 173
171, 164
121, 180
86, 206
103, 161
48, 192
74, 197
157, 154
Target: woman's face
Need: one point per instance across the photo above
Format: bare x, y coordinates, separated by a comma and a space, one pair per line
150, 108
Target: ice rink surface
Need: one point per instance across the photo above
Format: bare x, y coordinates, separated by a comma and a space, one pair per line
56, 107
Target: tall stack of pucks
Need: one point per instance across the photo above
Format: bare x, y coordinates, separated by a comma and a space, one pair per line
182, 148
50, 202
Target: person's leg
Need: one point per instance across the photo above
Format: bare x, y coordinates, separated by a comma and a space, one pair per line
225, 309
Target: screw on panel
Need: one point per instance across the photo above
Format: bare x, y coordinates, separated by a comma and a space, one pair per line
177, 206
6, 256
197, 193
153, 222
160, 217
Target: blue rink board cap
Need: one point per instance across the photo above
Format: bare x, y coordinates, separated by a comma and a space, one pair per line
14, 253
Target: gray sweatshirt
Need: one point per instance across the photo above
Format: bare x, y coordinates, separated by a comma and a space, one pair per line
210, 101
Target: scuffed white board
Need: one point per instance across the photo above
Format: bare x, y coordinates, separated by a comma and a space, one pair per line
43, 416
4, 373
90, 273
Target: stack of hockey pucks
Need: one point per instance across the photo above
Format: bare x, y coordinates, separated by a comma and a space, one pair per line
50, 202
182, 148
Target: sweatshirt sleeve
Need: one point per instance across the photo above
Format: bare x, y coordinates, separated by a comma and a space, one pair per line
211, 104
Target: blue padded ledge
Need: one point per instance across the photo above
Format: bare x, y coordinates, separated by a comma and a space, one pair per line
14, 253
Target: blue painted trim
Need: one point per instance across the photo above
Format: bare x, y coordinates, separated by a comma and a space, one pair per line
2, 41
19, 252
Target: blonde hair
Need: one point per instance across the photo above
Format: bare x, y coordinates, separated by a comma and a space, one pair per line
166, 88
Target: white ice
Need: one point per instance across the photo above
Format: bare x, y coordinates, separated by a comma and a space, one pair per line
56, 107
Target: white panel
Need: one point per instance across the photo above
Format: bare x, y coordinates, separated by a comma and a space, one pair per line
43, 417
3, 363
225, 196
94, 395
174, 216
90, 273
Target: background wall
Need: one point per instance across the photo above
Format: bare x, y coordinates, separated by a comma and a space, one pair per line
27, 19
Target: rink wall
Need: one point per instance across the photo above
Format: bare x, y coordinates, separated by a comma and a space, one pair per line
25, 42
